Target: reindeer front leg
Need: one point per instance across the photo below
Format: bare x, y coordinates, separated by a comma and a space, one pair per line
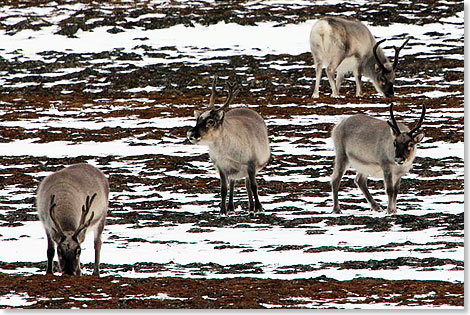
98, 242
223, 192
391, 192
50, 254
396, 188
358, 77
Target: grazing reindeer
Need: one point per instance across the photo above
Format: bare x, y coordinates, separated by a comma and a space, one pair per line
374, 148
70, 202
344, 45
238, 146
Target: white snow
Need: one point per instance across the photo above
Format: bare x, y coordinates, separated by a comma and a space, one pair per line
27, 242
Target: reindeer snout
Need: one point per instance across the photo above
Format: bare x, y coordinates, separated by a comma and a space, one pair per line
192, 137
399, 161
390, 92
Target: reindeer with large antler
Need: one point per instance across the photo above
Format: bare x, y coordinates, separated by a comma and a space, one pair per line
238, 145
71, 202
345, 45
374, 148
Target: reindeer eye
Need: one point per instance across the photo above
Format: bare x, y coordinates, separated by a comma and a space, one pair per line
210, 122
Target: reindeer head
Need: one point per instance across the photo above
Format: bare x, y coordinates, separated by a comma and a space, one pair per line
405, 142
208, 122
384, 76
68, 243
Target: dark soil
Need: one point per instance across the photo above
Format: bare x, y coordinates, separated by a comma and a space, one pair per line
264, 88
116, 292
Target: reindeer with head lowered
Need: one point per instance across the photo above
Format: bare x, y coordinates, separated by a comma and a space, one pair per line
345, 45
71, 202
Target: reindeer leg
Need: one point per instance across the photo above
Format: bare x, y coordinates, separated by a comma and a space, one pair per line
98, 242
250, 195
230, 207
396, 189
254, 187
330, 72
358, 77
341, 163
361, 183
339, 80
391, 193
50, 254
318, 73
223, 192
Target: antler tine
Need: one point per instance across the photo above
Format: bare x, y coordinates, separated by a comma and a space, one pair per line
58, 228
233, 89
212, 99
393, 122
85, 209
374, 50
397, 53
420, 122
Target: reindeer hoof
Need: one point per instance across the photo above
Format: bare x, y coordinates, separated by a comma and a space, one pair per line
391, 211
315, 95
337, 210
377, 208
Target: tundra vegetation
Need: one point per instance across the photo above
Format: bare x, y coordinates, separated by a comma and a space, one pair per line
112, 106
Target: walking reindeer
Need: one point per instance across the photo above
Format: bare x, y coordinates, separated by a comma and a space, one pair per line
71, 202
345, 45
374, 148
238, 146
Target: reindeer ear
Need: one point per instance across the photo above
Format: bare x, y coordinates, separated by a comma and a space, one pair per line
377, 68
80, 236
220, 114
417, 138
57, 236
197, 113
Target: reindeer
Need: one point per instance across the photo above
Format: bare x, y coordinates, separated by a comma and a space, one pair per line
238, 146
344, 45
374, 148
71, 202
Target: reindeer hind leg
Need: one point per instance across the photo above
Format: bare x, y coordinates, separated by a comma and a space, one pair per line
361, 183
341, 164
318, 74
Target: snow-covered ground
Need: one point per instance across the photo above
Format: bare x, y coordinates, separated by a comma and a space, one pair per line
172, 245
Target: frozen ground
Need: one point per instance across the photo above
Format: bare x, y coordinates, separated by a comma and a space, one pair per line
123, 100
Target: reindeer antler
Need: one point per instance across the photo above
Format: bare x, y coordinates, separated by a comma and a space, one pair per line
58, 228
420, 122
85, 209
212, 99
374, 50
233, 89
397, 52
392, 122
